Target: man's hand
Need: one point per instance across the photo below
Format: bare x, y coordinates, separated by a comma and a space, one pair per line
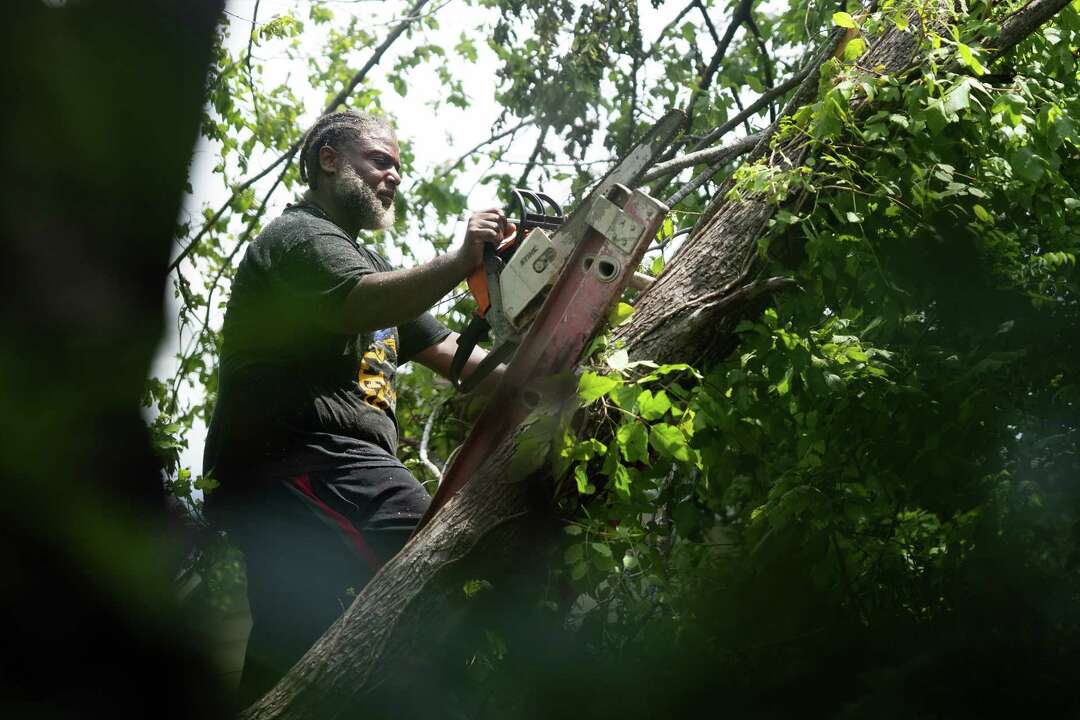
485, 227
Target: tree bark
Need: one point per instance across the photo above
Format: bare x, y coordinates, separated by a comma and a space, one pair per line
371, 661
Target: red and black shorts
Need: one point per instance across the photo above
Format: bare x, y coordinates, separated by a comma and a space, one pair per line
311, 541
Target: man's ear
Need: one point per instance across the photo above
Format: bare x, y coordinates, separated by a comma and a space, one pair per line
328, 159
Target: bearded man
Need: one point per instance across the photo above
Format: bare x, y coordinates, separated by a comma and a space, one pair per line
303, 435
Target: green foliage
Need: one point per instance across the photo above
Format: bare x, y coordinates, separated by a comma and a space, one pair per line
889, 457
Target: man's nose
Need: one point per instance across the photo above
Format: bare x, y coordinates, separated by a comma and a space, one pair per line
392, 178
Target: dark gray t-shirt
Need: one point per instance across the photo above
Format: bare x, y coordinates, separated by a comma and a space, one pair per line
293, 391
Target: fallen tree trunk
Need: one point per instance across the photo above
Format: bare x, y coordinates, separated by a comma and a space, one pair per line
387, 644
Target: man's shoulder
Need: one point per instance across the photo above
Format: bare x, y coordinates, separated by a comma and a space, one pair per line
296, 224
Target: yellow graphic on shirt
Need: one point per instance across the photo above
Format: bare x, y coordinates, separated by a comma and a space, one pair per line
377, 368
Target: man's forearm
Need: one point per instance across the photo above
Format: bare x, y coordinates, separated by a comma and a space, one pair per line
391, 298
440, 357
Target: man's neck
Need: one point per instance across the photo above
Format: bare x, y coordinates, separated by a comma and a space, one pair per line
325, 202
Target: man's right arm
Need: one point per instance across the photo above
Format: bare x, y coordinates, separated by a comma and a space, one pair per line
388, 299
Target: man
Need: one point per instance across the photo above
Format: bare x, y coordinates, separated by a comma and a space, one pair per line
303, 434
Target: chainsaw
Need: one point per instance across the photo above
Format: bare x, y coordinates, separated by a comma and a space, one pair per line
514, 277
513, 280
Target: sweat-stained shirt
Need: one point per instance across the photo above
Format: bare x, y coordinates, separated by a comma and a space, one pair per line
293, 393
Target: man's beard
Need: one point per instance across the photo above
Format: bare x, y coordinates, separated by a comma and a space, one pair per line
357, 198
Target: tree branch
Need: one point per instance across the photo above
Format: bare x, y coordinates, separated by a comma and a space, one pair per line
531, 163
714, 154
737, 17
425, 439
767, 97
708, 21
494, 138
1023, 23
766, 59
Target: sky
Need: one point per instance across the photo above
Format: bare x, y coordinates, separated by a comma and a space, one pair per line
436, 137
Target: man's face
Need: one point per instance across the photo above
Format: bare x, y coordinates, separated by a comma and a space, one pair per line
369, 172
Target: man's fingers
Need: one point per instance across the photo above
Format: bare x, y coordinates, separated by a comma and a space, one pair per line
485, 226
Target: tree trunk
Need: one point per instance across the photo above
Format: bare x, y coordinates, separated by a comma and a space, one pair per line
369, 663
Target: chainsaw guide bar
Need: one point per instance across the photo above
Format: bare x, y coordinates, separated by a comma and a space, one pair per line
586, 261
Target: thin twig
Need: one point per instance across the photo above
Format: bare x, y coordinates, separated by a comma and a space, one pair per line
708, 21
247, 60
766, 59
228, 203
425, 438
478, 146
767, 97
667, 28
742, 110
737, 17
535, 154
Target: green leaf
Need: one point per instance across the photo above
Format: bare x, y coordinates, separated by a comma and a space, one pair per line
1011, 106
206, 483
621, 476
669, 441
602, 548
784, 386
967, 56
844, 20
625, 396
935, 116
592, 386
656, 266
653, 407
634, 442
959, 96
620, 314
472, 587
581, 477
855, 47
1027, 165
982, 214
